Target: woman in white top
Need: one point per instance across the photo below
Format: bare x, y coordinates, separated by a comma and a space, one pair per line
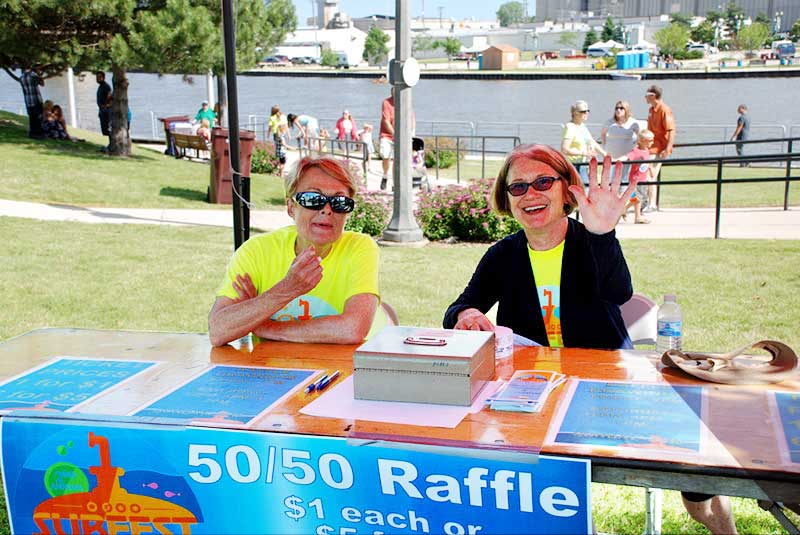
577, 143
619, 134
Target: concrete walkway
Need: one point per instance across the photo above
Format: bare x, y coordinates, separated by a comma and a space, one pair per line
751, 223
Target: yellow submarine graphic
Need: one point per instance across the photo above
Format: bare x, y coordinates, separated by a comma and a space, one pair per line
108, 508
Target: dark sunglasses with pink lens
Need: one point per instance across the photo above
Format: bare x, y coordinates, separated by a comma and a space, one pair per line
542, 183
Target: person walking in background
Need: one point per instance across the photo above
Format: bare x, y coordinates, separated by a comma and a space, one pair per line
205, 113
577, 143
30, 82
619, 134
661, 122
365, 137
104, 98
386, 143
742, 132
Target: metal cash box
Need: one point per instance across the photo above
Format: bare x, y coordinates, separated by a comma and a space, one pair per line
424, 365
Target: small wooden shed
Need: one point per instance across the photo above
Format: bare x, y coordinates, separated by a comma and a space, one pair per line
500, 57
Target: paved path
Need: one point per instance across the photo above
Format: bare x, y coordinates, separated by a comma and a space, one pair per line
757, 223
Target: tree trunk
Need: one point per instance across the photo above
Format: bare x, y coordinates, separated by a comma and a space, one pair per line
120, 137
222, 97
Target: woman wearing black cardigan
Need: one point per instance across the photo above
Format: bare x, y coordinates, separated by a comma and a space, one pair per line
558, 282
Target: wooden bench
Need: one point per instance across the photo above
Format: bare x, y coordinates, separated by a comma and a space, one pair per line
182, 142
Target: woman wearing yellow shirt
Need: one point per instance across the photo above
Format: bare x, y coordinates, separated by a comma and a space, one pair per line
310, 282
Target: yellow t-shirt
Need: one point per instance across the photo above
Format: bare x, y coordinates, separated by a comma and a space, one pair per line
546, 267
350, 268
275, 121
578, 137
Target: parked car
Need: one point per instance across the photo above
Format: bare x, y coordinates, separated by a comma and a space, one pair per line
703, 47
784, 49
274, 61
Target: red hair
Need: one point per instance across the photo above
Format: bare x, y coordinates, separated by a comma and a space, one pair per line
539, 153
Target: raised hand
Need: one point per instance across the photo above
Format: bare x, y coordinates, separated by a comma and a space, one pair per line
604, 205
304, 273
472, 319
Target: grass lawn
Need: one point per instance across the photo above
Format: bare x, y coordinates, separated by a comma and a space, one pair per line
126, 277
77, 173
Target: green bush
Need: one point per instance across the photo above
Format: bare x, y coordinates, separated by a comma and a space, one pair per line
447, 152
264, 159
689, 54
372, 213
462, 212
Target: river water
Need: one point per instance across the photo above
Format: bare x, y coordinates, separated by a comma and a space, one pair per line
705, 109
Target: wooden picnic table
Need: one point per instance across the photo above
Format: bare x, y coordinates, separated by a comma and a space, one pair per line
745, 454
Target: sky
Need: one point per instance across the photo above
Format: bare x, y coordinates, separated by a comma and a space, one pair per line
456, 9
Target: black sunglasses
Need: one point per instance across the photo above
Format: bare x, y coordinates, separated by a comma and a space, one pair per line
542, 183
619, 108
313, 200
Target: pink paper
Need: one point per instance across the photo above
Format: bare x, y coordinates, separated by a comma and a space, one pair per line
339, 402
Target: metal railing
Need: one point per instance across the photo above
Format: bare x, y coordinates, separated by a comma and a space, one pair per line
347, 149
471, 144
785, 159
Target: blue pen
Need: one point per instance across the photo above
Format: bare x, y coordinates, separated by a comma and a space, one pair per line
315, 385
328, 381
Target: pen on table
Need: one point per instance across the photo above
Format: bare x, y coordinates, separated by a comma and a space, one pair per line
315, 385
324, 384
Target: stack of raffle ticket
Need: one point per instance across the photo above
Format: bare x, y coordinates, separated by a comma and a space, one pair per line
526, 391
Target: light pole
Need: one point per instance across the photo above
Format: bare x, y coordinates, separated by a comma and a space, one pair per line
778, 16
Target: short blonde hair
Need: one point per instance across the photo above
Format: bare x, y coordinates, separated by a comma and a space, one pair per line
646, 134
330, 166
539, 153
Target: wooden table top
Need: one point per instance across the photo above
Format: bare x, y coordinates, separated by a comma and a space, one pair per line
738, 416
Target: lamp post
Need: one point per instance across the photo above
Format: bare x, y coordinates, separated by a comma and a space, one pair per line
778, 16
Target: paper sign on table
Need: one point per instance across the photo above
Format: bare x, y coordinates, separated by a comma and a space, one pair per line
228, 395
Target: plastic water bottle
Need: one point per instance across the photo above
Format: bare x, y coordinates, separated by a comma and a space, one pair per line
670, 325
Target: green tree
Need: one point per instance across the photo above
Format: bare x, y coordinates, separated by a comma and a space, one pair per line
682, 19
421, 43
795, 31
734, 16
568, 39
753, 37
589, 40
376, 50
703, 32
672, 39
329, 58
619, 33
608, 29
763, 19
162, 36
511, 13
451, 47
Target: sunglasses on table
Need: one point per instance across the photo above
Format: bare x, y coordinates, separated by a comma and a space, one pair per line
543, 183
313, 200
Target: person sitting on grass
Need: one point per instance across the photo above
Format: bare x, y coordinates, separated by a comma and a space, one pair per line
311, 282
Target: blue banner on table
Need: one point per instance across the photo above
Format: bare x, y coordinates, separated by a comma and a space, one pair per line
63, 383
227, 394
655, 416
788, 404
78, 477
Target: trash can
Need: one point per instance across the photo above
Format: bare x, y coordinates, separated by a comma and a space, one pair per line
739, 63
167, 123
219, 191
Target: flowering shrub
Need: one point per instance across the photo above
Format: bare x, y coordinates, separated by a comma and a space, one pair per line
372, 213
462, 212
264, 159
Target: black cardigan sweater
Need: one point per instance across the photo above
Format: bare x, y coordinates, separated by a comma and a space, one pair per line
595, 281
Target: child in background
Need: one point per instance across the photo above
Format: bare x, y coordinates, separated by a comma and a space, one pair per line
205, 129
640, 172
365, 136
279, 138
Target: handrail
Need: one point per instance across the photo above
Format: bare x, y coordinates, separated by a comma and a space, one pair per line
359, 152
719, 162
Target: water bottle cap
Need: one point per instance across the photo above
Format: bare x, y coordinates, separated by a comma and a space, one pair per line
670, 298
